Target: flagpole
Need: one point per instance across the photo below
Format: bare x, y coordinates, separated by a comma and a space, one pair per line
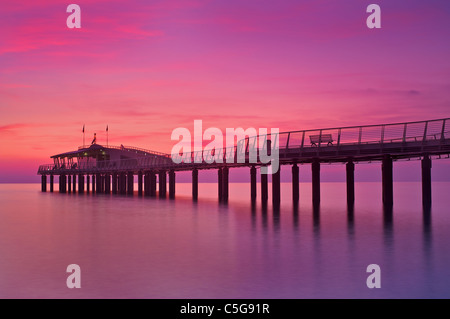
84, 144
107, 135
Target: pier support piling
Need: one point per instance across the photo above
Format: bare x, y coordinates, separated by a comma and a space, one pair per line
140, 183
220, 183
276, 193
315, 167
195, 184
426, 181
264, 188
74, 183
51, 183
69, 183
114, 183
171, 184
147, 184
295, 184
387, 181
80, 183
153, 184
225, 184
93, 184
162, 184
62, 183
253, 184
130, 183
122, 184
44, 183
107, 184
350, 176
98, 187
88, 183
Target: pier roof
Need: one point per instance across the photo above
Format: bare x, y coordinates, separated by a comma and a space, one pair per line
95, 148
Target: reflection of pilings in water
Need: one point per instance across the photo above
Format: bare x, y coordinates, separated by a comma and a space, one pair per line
276, 218
316, 217
388, 225
264, 214
427, 235
427, 245
350, 218
387, 215
295, 214
253, 214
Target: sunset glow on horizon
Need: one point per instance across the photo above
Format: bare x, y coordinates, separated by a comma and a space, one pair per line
145, 68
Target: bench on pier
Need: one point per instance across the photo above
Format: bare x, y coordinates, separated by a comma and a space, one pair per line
319, 139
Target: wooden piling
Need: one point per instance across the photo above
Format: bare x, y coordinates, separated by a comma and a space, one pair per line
276, 185
162, 184
350, 177
264, 188
195, 184
426, 181
171, 184
253, 193
295, 183
387, 181
315, 168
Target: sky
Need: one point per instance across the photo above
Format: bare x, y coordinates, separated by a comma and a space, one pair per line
145, 68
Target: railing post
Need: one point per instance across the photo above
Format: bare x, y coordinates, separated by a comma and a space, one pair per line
303, 141
339, 137
320, 138
404, 132
360, 135
320, 141
443, 130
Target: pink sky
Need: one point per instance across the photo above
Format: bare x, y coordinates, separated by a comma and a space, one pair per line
147, 67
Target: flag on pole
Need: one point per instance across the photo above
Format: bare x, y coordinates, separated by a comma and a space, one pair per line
83, 128
106, 128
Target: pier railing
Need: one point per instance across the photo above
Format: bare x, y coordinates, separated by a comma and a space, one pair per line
411, 138
355, 138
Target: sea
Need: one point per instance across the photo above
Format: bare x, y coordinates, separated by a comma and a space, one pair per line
152, 248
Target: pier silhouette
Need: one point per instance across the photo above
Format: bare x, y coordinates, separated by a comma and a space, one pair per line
113, 168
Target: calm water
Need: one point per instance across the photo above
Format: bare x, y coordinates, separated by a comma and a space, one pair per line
131, 247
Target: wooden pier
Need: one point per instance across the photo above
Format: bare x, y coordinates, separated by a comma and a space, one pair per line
99, 169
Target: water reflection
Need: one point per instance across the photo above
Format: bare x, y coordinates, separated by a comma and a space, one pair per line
316, 217
295, 214
388, 220
351, 220
276, 219
427, 235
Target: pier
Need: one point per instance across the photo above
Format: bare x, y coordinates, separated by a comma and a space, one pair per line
112, 169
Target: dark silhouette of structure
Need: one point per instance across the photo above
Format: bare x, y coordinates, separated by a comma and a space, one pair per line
113, 168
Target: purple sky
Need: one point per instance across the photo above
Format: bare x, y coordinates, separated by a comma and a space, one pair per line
148, 67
